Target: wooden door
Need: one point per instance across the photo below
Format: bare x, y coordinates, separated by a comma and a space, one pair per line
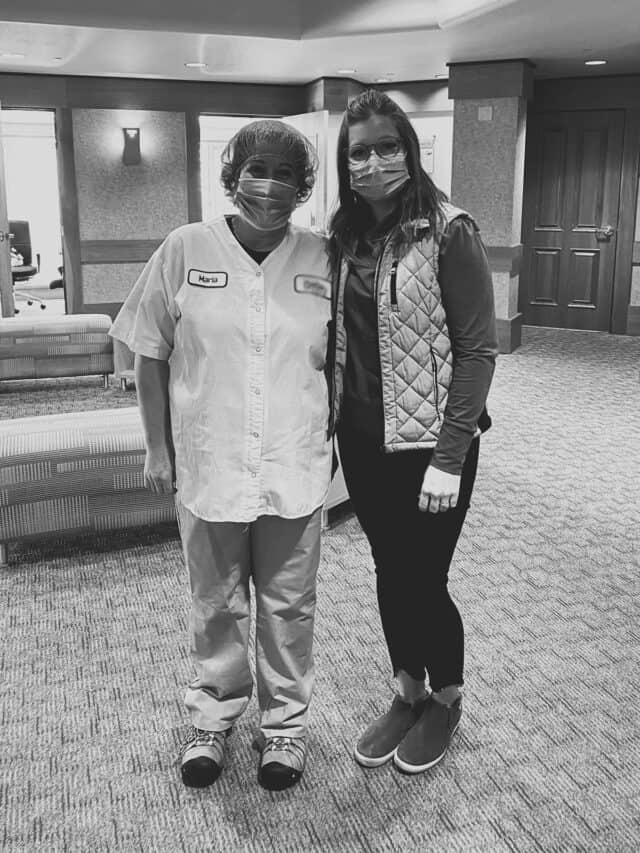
572, 194
7, 305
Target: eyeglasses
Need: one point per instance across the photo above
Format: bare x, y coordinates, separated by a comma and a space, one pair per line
384, 148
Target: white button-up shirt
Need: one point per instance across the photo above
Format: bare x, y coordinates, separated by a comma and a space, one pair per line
246, 346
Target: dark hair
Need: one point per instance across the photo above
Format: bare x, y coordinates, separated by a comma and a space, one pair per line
246, 142
421, 199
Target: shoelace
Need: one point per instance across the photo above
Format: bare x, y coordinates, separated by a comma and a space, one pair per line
201, 737
281, 743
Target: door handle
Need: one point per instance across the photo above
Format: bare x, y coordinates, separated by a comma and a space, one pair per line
5, 235
605, 232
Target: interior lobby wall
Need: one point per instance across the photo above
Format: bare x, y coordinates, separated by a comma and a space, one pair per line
119, 204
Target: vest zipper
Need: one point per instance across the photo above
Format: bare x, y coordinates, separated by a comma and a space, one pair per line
436, 393
376, 276
393, 290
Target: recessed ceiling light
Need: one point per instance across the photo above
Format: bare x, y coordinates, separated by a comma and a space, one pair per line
347, 70
596, 62
195, 65
12, 55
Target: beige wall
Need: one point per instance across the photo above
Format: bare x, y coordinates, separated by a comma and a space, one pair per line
488, 174
121, 203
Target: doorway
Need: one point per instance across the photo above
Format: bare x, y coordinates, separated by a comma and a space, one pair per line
33, 206
570, 218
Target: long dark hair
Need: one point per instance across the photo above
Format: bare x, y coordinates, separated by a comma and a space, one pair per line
421, 198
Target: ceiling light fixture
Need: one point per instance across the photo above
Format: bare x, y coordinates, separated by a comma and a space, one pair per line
195, 65
596, 62
12, 55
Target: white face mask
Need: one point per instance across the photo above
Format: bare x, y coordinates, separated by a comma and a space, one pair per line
379, 177
264, 203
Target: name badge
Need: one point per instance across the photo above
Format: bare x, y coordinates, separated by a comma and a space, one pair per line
202, 278
313, 284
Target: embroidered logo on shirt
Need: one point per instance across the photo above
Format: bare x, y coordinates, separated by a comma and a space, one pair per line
312, 284
201, 278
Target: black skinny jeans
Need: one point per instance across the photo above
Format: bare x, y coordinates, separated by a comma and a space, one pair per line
412, 552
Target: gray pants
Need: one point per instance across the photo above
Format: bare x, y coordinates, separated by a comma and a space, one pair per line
282, 557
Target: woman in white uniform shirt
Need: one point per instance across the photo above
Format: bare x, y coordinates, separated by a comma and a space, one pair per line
229, 323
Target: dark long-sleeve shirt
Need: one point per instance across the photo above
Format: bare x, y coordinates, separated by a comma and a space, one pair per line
467, 294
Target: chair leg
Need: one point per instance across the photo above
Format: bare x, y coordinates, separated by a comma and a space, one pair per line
4, 554
105, 380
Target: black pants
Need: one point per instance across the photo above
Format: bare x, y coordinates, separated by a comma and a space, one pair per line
412, 552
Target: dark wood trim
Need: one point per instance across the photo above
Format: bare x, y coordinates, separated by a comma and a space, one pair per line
69, 211
110, 308
331, 93
509, 333
194, 189
117, 251
636, 253
48, 91
505, 258
507, 78
626, 224
587, 93
633, 320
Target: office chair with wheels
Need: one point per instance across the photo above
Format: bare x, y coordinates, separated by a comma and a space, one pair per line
21, 242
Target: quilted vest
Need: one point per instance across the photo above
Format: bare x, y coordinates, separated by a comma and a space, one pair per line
415, 349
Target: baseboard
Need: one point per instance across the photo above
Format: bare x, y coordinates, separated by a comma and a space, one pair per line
509, 333
633, 320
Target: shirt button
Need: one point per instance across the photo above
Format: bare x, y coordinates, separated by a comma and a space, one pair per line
257, 390
258, 273
256, 435
258, 349
254, 475
258, 308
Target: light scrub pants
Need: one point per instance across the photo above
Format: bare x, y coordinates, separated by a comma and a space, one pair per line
282, 557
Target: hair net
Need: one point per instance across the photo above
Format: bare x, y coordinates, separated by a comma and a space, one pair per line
286, 141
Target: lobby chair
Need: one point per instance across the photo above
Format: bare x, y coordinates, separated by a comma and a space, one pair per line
21, 242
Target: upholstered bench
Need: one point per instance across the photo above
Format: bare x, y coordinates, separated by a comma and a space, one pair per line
75, 472
64, 345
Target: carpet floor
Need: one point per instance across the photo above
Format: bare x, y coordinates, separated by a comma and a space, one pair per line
547, 758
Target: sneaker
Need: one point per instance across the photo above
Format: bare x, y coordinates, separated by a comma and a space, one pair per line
427, 742
380, 740
202, 757
282, 762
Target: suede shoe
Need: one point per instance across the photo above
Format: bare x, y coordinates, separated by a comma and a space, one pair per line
282, 761
427, 742
379, 741
202, 757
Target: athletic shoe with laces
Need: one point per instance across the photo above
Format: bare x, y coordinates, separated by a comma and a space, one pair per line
428, 741
202, 757
380, 739
282, 761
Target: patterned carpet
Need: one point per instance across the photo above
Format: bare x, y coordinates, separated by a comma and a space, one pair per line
547, 758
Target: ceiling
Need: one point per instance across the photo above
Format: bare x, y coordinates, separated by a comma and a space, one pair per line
286, 41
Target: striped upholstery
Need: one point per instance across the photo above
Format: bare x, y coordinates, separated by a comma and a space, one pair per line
65, 345
81, 471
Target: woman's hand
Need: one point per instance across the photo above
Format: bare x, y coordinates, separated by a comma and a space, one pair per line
439, 491
159, 470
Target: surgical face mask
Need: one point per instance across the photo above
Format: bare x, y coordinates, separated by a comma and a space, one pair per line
379, 177
264, 203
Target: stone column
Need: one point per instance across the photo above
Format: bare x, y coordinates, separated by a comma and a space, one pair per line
489, 130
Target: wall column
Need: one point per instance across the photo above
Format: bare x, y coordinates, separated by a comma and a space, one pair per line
489, 131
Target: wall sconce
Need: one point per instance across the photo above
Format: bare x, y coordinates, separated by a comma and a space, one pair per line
131, 150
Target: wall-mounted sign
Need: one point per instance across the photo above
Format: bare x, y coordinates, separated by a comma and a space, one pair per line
427, 147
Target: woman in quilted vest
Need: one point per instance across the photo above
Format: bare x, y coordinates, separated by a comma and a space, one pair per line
413, 356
